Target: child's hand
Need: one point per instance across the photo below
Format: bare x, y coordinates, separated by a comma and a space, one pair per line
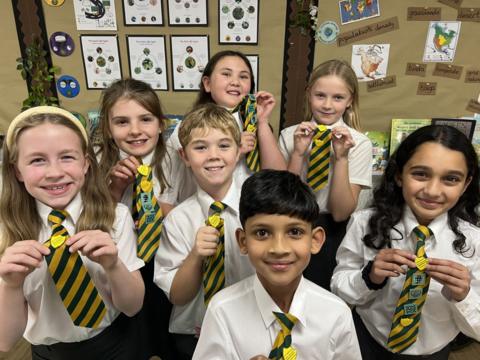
123, 174
265, 104
97, 245
342, 142
389, 262
247, 142
21, 259
206, 241
302, 137
452, 275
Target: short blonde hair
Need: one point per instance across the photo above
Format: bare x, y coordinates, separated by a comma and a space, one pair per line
208, 116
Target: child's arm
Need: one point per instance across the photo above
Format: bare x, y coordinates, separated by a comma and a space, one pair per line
270, 155
302, 138
17, 262
127, 287
122, 175
188, 277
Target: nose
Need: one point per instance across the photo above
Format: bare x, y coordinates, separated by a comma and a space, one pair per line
54, 170
327, 103
135, 128
234, 80
433, 187
213, 152
279, 246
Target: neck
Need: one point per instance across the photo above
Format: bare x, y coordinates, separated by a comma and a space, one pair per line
282, 296
218, 193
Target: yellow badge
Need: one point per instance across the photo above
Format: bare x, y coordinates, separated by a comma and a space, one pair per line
57, 241
405, 321
251, 128
146, 186
143, 170
421, 263
289, 353
318, 143
321, 128
214, 220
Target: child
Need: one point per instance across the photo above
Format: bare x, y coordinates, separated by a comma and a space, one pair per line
278, 213
432, 181
331, 104
227, 79
191, 246
132, 122
57, 217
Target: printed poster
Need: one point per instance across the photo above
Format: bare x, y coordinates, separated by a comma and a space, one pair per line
187, 12
238, 21
370, 61
401, 128
442, 40
95, 15
356, 10
141, 12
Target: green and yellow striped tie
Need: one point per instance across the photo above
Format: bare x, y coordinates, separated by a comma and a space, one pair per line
214, 266
319, 159
406, 321
71, 278
282, 347
248, 115
146, 214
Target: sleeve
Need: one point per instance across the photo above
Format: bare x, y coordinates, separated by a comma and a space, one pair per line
345, 346
169, 194
283, 142
347, 280
360, 162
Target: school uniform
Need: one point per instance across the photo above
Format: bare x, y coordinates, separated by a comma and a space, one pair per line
49, 323
322, 264
442, 318
240, 324
178, 239
181, 178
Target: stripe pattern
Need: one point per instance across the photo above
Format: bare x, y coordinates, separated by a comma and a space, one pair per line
214, 266
284, 337
406, 320
72, 280
248, 114
147, 214
319, 159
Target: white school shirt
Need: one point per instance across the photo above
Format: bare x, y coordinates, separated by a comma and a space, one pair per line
178, 239
181, 178
240, 324
359, 160
442, 319
48, 321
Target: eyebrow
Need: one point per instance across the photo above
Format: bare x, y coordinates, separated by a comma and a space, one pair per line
449, 172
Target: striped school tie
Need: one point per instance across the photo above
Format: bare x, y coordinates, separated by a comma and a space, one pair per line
214, 268
248, 114
319, 159
282, 347
406, 320
147, 214
71, 278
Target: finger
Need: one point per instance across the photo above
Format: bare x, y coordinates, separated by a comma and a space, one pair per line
132, 164
14, 268
23, 259
447, 263
390, 267
104, 251
29, 244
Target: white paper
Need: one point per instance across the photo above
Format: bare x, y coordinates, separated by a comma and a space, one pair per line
189, 58
89, 16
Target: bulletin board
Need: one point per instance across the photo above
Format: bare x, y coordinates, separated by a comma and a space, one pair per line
397, 97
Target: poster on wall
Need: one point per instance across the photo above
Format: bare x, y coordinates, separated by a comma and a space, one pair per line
190, 55
442, 39
356, 10
238, 21
147, 61
95, 14
370, 61
142, 13
101, 60
254, 62
187, 12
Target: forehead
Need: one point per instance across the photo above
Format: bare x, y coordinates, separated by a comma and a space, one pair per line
331, 83
274, 221
233, 63
438, 157
48, 136
206, 133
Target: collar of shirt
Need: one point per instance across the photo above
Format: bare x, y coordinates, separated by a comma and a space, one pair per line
266, 304
337, 123
74, 209
147, 159
231, 199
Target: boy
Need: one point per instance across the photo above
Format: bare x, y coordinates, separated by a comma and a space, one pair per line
278, 213
192, 253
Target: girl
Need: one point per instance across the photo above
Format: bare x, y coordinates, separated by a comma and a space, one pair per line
331, 100
50, 174
226, 80
431, 180
132, 122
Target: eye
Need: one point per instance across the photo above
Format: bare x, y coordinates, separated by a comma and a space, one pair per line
37, 161
148, 118
452, 179
339, 97
226, 73
296, 232
245, 77
120, 122
261, 234
199, 147
68, 157
320, 95
419, 175
225, 145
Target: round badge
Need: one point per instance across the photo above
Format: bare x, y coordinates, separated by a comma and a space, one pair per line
61, 43
68, 86
55, 2
327, 32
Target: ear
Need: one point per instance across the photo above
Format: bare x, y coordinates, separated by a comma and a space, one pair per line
87, 164
18, 174
467, 182
398, 179
184, 156
241, 240
318, 238
206, 83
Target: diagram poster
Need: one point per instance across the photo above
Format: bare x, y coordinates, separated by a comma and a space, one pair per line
95, 14
238, 21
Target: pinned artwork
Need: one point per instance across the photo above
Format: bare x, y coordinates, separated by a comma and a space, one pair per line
238, 21
370, 61
141, 12
442, 40
61, 43
356, 10
68, 86
187, 12
54, 2
95, 14
327, 32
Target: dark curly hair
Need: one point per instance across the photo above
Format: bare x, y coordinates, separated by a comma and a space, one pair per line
388, 201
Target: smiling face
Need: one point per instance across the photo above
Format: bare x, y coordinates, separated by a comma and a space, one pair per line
433, 180
279, 247
134, 129
229, 82
51, 164
328, 98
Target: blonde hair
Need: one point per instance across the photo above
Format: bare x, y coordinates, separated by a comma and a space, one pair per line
344, 71
142, 93
18, 211
208, 116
